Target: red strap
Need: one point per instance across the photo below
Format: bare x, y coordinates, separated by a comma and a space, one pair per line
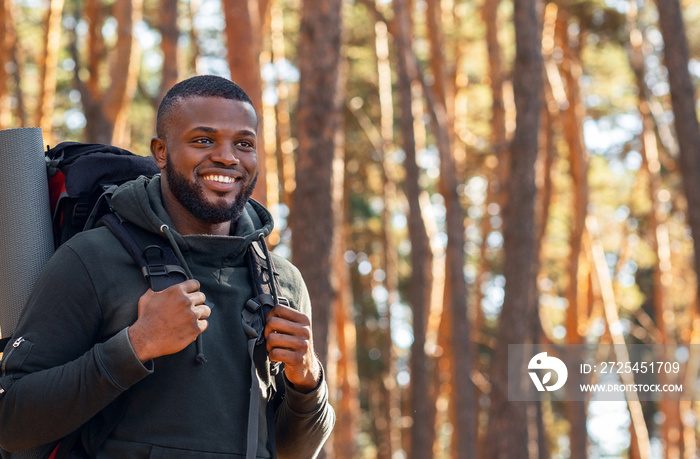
55, 450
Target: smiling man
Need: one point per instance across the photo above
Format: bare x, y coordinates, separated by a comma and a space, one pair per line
103, 350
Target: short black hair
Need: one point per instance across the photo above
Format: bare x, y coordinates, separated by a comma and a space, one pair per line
198, 86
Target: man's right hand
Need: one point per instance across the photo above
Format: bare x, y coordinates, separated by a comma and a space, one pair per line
169, 320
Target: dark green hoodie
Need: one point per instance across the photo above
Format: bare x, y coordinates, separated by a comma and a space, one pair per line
73, 362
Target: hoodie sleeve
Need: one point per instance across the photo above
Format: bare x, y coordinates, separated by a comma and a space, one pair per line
304, 421
54, 377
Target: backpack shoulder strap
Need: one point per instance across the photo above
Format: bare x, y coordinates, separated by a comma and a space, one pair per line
262, 269
264, 373
157, 260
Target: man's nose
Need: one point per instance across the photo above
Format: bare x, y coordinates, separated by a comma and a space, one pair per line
226, 154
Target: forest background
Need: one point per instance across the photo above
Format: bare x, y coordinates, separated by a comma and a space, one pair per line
450, 176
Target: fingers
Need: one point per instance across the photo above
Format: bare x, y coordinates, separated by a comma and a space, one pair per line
283, 319
189, 286
288, 335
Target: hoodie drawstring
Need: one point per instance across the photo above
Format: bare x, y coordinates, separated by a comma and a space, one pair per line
165, 229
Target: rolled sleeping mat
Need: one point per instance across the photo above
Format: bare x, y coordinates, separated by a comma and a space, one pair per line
26, 235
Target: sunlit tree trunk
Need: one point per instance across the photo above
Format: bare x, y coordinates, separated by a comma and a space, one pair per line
106, 108
571, 112
48, 65
662, 275
421, 436
194, 52
685, 120
676, 58
319, 117
170, 33
5, 57
497, 163
462, 406
130, 60
519, 237
244, 44
346, 382
601, 274
391, 396
283, 133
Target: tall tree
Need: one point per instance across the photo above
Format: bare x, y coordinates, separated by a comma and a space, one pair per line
169, 33
462, 391
346, 380
283, 131
103, 107
571, 110
319, 121
421, 403
671, 429
48, 65
519, 236
676, 58
244, 20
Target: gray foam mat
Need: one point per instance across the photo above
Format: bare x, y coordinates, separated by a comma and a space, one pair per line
26, 238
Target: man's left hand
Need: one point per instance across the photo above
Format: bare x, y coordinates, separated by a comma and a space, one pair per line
289, 340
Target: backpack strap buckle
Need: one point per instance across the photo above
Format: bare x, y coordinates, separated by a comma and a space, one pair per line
154, 262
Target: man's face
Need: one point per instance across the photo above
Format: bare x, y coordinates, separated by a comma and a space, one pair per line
208, 159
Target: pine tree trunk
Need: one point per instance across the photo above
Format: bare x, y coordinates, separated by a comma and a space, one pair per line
462, 406
676, 58
346, 382
578, 160
283, 132
106, 110
244, 44
320, 122
422, 429
169, 32
519, 238
48, 65
498, 166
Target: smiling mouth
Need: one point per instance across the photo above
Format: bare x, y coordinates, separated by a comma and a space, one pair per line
220, 178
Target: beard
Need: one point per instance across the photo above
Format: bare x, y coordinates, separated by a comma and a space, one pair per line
191, 196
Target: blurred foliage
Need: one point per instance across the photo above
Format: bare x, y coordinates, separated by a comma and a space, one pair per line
619, 198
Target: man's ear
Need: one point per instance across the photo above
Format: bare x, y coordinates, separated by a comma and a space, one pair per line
159, 151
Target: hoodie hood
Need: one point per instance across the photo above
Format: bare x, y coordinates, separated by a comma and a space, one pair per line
139, 201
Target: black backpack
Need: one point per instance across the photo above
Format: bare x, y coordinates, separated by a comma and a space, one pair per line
82, 179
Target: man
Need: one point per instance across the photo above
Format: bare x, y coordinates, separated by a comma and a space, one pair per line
98, 347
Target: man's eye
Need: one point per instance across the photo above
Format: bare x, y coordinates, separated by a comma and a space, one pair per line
245, 144
202, 140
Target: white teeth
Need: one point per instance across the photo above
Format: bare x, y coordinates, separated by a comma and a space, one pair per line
220, 178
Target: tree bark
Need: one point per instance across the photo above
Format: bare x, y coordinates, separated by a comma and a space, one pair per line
283, 132
48, 65
572, 124
319, 120
391, 396
498, 166
462, 406
421, 403
107, 109
194, 37
519, 237
346, 381
676, 58
244, 44
672, 428
169, 32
